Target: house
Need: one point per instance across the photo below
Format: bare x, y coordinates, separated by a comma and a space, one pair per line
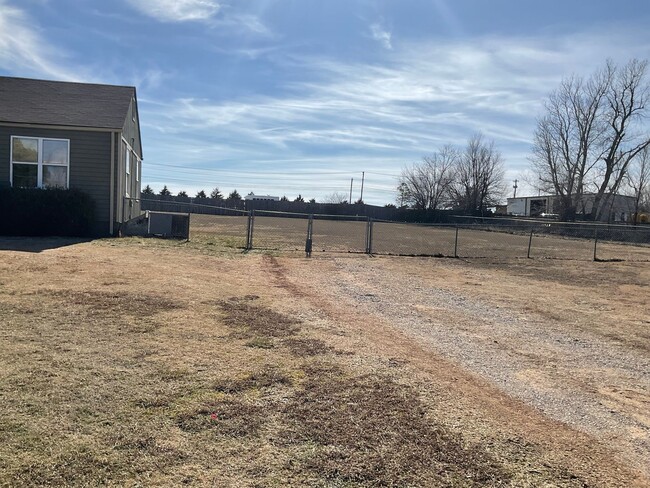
620, 207
268, 198
73, 135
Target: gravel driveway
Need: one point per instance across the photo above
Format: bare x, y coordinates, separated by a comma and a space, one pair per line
595, 383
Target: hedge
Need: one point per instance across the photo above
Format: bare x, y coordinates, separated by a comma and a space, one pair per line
45, 212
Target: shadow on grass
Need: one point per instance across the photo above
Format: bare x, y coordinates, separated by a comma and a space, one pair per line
38, 244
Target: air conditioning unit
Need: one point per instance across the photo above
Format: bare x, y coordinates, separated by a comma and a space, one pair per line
167, 224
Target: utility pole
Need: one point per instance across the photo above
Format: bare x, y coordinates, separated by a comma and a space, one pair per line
363, 176
351, 180
515, 187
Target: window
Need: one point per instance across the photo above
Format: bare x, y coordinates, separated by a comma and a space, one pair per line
39, 163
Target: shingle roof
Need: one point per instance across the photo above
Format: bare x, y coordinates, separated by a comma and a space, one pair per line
23, 100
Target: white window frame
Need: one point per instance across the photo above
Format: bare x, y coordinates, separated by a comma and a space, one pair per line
127, 166
39, 163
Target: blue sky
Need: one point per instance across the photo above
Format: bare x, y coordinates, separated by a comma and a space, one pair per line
299, 96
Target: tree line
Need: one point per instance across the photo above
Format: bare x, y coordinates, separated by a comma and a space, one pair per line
233, 196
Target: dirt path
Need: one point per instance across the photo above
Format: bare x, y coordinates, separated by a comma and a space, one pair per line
562, 378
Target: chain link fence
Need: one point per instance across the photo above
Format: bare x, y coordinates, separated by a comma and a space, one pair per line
468, 238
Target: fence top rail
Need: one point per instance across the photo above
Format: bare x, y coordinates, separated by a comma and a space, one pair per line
189, 204
278, 213
528, 220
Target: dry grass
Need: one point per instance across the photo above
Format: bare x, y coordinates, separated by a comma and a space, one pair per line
161, 379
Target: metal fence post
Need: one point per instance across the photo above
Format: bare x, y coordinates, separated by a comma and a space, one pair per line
310, 231
249, 230
530, 242
595, 243
369, 236
456, 243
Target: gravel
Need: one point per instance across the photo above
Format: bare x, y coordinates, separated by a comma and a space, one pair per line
570, 375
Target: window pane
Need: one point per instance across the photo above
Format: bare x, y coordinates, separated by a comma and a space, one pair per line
25, 150
25, 176
55, 152
55, 176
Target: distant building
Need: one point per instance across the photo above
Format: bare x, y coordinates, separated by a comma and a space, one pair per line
252, 196
621, 207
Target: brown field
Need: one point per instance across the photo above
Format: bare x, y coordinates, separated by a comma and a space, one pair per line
289, 234
143, 362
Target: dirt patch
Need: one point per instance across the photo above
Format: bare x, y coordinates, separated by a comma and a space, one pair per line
255, 320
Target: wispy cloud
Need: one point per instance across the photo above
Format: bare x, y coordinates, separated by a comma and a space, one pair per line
177, 10
381, 35
355, 116
23, 51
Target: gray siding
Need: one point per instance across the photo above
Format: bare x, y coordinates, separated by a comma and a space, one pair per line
90, 163
131, 131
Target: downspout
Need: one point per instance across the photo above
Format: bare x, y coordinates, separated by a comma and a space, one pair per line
112, 187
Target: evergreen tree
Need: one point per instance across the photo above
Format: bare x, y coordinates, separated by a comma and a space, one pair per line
182, 193
312, 200
165, 192
234, 195
201, 194
299, 199
216, 194
147, 190
284, 199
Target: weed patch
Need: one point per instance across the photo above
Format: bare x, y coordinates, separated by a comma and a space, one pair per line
136, 304
307, 347
261, 343
372, 431
265, 378
256, 321
230, 417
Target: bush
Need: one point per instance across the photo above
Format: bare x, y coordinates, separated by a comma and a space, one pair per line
46, 212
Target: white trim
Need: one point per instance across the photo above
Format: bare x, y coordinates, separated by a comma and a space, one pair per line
111, 211
39, 163
127, 173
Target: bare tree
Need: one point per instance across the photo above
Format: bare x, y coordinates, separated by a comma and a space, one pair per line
626, 104
566, 141
335, 197
427, 185
590, 133
638, 179
479, 176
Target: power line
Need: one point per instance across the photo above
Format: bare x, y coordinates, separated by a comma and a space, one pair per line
284, 173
